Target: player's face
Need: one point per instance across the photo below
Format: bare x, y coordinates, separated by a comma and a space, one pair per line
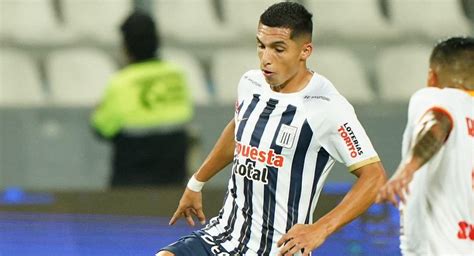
280, 56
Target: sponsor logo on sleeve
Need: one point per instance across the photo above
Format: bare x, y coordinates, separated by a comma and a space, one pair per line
350, 139
316, 97
253, 81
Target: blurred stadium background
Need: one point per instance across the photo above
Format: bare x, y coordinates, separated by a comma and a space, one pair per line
56, 57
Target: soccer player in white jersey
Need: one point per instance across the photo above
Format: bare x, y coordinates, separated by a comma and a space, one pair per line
434, 181
290, 125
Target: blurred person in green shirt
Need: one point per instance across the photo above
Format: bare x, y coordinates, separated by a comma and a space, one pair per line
144, 112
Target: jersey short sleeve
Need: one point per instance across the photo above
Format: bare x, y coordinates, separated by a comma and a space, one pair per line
420, 103
344, 138
424, 100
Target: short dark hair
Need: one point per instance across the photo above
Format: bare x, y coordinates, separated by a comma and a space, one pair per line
140, 36
289, 15
455, 54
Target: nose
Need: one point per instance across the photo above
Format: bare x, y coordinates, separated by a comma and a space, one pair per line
265, 58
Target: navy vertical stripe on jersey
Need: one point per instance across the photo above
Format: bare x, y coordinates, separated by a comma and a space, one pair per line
248, 184
232, 217
321, 162
269, 196
297, 175
243, 122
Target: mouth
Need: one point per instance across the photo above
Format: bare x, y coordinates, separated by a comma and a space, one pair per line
267, 73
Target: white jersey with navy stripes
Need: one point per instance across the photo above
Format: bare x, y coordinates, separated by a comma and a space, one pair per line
285, 146
438, 218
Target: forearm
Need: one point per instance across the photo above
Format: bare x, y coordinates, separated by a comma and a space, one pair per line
221, 155
433, 131
357, 200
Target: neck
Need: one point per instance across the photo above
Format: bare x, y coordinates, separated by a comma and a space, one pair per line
295, 84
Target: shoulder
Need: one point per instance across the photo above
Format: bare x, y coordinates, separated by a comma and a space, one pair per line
253, 77
250, 82
425, 93
324, 95
446, 100
323, 85
325, 112
437, 94
430, 97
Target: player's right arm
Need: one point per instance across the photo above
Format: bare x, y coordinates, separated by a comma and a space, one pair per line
221, 155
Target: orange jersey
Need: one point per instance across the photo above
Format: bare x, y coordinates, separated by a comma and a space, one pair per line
438, 218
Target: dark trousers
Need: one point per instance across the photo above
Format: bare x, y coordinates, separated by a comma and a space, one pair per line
149, 160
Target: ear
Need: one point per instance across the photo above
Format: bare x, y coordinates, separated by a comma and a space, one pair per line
433, 80
306, 51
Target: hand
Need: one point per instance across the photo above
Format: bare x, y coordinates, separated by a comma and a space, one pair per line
397, 186
301, 237
190, 204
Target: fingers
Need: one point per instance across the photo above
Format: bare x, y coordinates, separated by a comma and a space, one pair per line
306, 252
187, 213
391, 196
200, 215
401, 188
282, 240
177, 214
380, 196
287, 246
189, 218
291, 247
293, 250
393, 191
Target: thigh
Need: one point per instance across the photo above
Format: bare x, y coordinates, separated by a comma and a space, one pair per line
195, 244
188, 246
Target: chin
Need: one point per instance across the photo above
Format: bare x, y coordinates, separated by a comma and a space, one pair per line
272, 82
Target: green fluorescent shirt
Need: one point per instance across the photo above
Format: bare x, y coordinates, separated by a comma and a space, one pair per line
147, 94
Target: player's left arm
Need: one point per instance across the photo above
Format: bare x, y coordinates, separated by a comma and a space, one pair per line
307, 237
431, 133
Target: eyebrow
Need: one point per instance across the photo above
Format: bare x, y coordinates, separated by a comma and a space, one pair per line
276, 43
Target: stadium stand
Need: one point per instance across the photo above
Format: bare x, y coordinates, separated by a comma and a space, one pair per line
432, 18
227, 67
191, 22
20, 80
350, 19
32, 22
401, 70
78, 76
243, 15
344, 70
195, 74
97, 20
